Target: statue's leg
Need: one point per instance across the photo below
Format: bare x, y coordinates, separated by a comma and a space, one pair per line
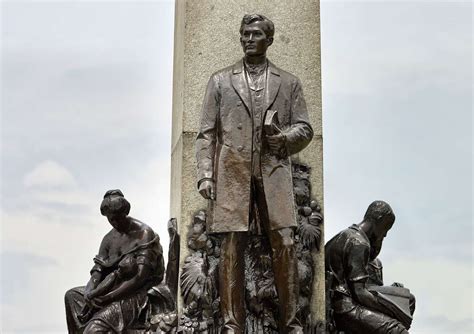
232, 282
285, 269
74, 302
118, 316
361, 320
284, 263
97, 326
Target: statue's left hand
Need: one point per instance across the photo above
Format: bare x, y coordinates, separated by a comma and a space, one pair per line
277, 144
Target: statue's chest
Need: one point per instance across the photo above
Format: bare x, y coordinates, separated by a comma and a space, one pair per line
122, 244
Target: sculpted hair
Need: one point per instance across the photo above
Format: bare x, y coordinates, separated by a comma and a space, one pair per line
377, 210
114, 203
268, 26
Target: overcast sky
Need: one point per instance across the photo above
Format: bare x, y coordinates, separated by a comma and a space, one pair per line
86, 106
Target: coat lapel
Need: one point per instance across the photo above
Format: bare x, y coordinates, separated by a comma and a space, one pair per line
273, 84
241, 86
240, 83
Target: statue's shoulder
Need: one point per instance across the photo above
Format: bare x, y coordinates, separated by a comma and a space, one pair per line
355, 237
285, 75
110, 235
224, 73
346, 240
146, 232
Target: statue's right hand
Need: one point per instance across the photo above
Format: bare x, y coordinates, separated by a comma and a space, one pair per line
207, 189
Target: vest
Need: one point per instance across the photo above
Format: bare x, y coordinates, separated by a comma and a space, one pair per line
257, 96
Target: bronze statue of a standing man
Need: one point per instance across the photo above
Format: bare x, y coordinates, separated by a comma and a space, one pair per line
245, 169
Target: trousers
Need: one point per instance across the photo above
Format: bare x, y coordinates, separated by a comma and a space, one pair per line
361, 320
285, 269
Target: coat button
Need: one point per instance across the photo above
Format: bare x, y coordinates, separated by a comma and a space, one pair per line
239, 126
239, 104
240, 148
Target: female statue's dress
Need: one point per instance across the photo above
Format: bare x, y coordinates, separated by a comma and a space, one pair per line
140, 246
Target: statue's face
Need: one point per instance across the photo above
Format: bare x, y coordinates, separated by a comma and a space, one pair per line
380, 232
116, 220
375, 248
254, 41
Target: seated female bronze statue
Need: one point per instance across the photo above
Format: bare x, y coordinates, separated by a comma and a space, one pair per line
129, 263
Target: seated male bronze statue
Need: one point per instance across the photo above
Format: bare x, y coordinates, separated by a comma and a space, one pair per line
360, 303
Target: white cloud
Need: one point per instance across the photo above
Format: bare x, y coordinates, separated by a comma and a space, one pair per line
101, 107
146, 187
50, 228
69, 247
68, 197
107, 121
49, 174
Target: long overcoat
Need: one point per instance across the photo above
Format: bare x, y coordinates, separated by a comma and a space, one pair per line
224, 146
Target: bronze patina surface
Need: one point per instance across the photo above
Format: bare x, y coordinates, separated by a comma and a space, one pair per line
126, 286
200, 273
244, 169
359, 301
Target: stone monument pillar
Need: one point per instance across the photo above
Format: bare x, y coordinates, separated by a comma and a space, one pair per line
207, 39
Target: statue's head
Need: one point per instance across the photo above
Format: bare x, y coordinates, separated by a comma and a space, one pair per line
380, 218
256, 34
115, 207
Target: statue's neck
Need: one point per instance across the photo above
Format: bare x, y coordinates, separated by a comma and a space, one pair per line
125, 226
256, 60
367, 228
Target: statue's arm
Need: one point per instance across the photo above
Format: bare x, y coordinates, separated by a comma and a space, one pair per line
127, 287
104, 286
365, 297
152, 257
93, 283
206, 138
356, 264
97, 270
300, 132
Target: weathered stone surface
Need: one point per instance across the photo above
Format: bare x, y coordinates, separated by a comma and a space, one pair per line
206, 40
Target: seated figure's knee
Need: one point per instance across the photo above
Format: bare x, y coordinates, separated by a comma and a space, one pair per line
96, 327
69, 293
72, 294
